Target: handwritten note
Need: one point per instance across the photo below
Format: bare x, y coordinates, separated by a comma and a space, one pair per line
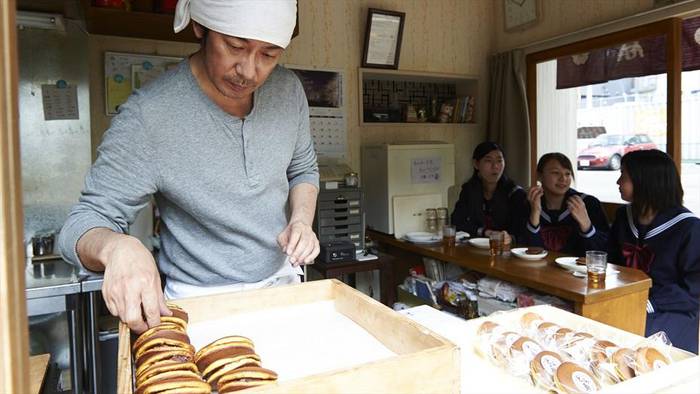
426, 170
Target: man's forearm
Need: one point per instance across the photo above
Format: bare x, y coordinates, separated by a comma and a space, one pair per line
302, 201
94, 247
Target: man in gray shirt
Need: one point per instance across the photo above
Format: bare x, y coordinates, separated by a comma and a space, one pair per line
223, 144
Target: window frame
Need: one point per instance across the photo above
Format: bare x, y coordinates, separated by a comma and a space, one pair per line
670, 28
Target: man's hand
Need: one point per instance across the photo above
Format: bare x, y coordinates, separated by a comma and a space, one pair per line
131, 287
579, 212
299, 242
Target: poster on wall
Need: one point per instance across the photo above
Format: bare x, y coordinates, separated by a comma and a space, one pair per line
126, 72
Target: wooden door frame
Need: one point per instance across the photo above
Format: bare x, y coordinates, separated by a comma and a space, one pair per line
14, 348
670, 27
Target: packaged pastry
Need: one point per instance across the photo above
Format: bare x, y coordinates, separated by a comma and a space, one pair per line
543, 368
521, 352
546, 334
578, 346
572, 378
622, 360
600, 363
647, 359
244, 378
529, 321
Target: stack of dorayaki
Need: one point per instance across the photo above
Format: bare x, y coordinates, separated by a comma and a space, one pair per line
230, 364
166, 362
163, 357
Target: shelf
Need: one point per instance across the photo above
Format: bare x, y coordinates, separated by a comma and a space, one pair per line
391, 91
134, 24
149, 25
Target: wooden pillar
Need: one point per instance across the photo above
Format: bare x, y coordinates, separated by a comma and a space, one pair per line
14, 349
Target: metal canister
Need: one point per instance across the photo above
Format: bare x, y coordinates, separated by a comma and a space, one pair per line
431, 222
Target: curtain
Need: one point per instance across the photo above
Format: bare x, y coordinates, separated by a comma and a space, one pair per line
508, 121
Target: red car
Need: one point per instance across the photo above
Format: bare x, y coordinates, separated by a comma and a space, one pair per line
606, 150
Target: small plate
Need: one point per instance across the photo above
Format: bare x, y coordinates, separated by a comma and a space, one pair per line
569, 263
520, 252
422, 237
481, 243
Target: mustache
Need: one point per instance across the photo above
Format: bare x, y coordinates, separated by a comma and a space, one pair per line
240, 81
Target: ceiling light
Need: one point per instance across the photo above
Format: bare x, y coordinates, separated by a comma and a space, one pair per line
40, 20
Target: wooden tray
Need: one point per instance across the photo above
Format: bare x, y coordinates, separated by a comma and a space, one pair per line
423, 362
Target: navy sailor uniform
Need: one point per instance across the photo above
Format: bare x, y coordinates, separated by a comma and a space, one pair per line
559, 232
503, 212
668, 250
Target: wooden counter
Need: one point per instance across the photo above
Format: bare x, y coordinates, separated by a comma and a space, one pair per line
37, 371
621, 302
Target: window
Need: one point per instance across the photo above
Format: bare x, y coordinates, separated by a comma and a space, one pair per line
598, 99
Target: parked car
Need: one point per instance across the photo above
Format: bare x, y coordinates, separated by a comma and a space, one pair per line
606, 150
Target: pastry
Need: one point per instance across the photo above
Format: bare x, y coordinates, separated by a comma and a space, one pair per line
220, 367
226, 347
154, 356
621, 359
166, 376
601, 366
179, 317
162, 367
572, 378
486, 328
188, 385
529, 320
161, 344
525, 346
543, 367
245, 377
648, 359
547, 329
581, 261
534, 250
159, 337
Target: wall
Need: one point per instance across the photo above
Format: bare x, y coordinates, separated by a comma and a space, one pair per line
560, 17
448, 36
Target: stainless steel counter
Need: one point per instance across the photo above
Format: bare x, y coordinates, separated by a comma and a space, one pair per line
51, 278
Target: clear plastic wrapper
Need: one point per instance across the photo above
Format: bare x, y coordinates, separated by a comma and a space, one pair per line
621, 360
651, 354
600, 362
543, 367
572, 378
545, 334
577, 346
520, 353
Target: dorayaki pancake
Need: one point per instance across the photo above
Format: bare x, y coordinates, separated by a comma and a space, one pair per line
527, 320
178, 354
621, 359
648, 359
151, 340
161, 344
166, 376
525, 346
233, 340
572, 378
185, 385
547, 329
158, 327
561, 335
219, 353
162, 367
220, 366
246, 374
231, 387
486, 328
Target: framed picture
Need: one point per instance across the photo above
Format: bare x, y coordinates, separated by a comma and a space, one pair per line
383, 38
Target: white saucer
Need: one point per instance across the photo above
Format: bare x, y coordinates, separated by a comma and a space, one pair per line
422, 237
569, 263
481, 243
520, 252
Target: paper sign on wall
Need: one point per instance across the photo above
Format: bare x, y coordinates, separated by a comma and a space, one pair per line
426, 170
59, 102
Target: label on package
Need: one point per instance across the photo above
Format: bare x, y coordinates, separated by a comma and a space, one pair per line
550, 363
583, 382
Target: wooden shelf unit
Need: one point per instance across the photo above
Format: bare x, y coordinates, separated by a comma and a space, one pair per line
465, 85
118, 22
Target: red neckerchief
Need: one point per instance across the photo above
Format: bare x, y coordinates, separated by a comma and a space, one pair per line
636, 256
555, 237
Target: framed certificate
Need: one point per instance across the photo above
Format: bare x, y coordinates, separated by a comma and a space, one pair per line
383, 38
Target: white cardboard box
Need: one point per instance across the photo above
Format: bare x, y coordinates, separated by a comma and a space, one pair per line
481, 376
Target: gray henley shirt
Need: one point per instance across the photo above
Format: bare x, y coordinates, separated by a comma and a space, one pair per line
221, 183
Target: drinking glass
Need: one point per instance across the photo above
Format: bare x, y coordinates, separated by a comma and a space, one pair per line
449, 235
596, 264
496, 243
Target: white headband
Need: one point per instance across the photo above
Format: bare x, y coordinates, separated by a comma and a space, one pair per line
270, 21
